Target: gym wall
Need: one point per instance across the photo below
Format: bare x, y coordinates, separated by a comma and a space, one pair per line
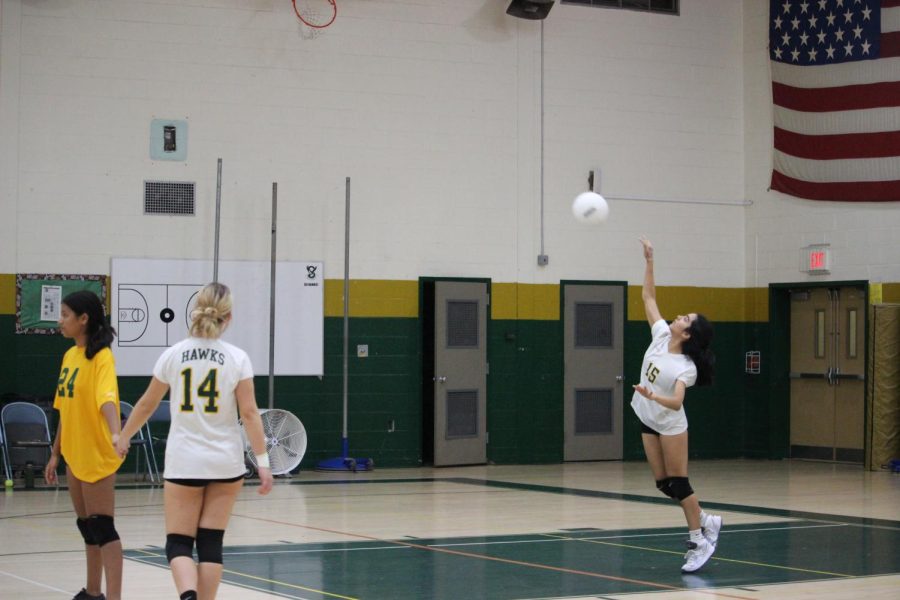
466, 144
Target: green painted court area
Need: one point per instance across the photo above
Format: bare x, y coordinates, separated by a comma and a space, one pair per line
580, 562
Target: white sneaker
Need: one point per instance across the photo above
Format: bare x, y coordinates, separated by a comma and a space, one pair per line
697, 555
712, 528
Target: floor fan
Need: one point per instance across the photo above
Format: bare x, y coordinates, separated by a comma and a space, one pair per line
285, 440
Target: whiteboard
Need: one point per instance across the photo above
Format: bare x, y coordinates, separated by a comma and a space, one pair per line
152, 301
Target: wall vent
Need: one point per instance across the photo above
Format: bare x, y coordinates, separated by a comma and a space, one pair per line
169, 197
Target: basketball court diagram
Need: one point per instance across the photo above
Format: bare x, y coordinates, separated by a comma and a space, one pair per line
152, 301
154, 315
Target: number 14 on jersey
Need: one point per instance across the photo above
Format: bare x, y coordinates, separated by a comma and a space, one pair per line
207, 390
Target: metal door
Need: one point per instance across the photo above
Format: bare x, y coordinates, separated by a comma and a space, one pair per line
593, 321
460, 373
828, 373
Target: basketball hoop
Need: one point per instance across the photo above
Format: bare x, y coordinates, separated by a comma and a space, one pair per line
312, 18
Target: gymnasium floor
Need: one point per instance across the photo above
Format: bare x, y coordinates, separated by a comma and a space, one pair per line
584, 530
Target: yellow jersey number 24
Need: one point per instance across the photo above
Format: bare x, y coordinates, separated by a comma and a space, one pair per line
63, 386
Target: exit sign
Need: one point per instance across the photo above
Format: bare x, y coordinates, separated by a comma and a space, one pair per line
816, 259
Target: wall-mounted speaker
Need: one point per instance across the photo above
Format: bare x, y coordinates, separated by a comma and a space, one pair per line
530, 9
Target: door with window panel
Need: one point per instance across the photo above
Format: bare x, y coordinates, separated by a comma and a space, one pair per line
593, 320
828, 373
460, 368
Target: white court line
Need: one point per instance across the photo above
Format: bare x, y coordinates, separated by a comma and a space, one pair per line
534, 541
266, 552
624, 537
225, 581
316, 550
263, 590
582, 597
753, 530
526, 541
37, 583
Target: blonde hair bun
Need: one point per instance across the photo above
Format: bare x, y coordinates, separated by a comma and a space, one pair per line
209, 317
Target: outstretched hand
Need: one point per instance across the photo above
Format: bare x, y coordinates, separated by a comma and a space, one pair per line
648, 248
643, 391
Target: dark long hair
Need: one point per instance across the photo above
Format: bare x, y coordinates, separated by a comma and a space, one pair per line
697, 348
99, 332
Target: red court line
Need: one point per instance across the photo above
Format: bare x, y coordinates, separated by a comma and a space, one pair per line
509, 561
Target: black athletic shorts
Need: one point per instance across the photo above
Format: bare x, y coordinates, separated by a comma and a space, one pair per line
645, 429
203, 482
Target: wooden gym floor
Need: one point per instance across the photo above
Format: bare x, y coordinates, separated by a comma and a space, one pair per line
584, 530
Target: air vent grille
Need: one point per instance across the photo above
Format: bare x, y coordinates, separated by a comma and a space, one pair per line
169, 197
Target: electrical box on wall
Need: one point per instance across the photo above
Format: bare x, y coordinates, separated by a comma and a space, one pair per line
816, 259
168, 139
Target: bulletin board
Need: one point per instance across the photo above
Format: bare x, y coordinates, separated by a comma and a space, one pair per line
39, 295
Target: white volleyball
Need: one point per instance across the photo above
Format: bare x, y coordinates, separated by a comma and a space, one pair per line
590, 207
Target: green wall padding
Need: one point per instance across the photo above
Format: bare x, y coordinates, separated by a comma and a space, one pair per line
740, 416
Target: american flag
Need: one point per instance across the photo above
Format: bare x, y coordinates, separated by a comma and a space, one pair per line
836, 90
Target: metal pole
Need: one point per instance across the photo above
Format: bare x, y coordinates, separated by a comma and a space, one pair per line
272, 300
218, 208
346, 304
542, 138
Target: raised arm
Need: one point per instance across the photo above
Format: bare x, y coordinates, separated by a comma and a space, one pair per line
648, 292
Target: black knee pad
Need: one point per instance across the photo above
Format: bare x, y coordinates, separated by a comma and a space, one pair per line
179, 545
209, 545
681, 488
665, 486
85, 530
103, 529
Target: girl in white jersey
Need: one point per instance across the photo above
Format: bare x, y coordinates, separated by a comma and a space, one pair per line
678, 357
209, 381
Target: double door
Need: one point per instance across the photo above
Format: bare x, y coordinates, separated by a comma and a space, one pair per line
828, 373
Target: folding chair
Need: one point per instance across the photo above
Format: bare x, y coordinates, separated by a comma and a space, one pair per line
143, 442
7, 472
26, 434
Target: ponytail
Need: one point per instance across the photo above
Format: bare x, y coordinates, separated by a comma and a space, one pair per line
212, 311
697, 348
100, 333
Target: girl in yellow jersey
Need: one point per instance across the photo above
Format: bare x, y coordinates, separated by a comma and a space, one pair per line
87, 398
